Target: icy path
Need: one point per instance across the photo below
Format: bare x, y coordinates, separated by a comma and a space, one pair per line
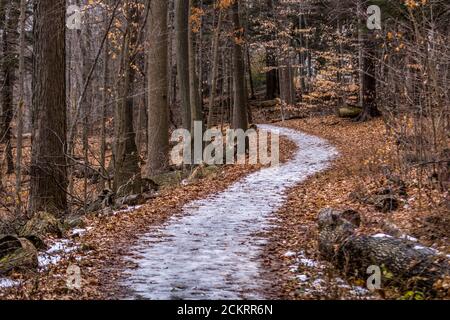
211, 251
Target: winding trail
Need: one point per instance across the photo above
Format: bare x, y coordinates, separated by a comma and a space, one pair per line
212, 250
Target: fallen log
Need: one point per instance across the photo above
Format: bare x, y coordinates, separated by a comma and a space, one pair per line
266, 103
19, 255
409, 266
349, 112
41, 225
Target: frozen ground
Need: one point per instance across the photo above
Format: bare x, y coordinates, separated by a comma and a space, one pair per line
211, 250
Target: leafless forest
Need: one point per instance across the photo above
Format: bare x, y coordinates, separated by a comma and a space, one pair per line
92, 92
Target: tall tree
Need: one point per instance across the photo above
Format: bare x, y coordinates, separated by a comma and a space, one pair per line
23, 8
182, 52
194, 93
368, 62
48, 160
272, 73
369, 81
105, 98
158, 68
8, 69
127, 175
240, 113
215, 69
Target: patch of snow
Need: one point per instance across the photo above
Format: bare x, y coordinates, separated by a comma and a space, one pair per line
359, 291
426, 249
308, 263
290, 254
55, 253
406, 237
6, 283
318, 284
79, 232
302, 278
127, 210
293, 269
381, 235
211, 249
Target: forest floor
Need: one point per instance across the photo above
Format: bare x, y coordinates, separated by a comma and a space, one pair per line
290, 257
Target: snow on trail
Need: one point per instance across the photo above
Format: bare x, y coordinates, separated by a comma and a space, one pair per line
211, 251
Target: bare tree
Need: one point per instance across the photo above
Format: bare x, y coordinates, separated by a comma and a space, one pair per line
127, 174
240, 114
8, 69
182, 52
48, 164
21, 102
158, 122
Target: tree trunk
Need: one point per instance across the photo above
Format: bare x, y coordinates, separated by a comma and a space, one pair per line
194, 93
104, 109
21, 103
370, 108
127, 174
271, 74
182, 51
8, 71
287, 89
250, 74
158, 122
200, 60
367, 60
360, 54
48, 161
214, 73
240, 114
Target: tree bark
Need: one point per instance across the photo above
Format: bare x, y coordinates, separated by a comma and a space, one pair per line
8, 71
272, 84
48, 161
240, 113
127, 174
20, 106
182, 52
287, 89
250, 74
104, 109
370, 108
194, 93
271, 75
214, 73
158, 82
368, 81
